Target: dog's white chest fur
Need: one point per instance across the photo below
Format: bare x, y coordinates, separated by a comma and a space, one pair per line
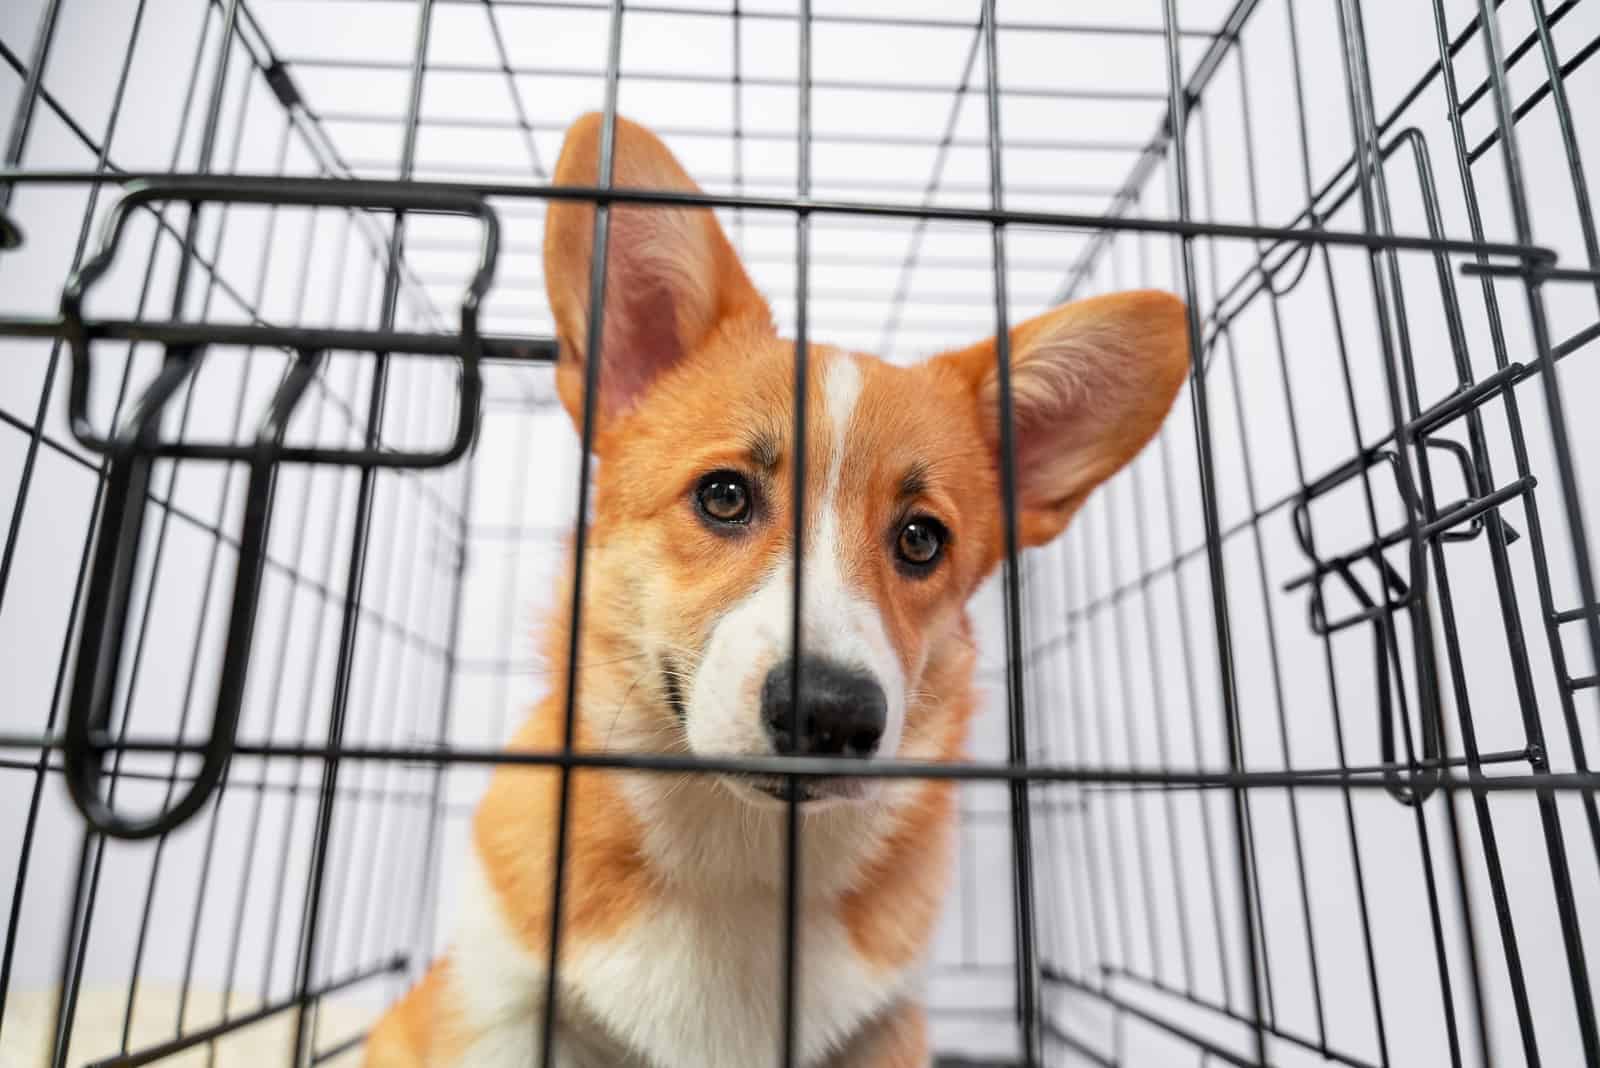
694, 984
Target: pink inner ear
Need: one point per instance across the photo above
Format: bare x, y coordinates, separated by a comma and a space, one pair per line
641, 334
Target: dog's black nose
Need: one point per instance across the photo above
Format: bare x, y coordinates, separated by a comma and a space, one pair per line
842, 710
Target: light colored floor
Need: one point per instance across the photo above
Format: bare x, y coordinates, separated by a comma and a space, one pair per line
97, 1029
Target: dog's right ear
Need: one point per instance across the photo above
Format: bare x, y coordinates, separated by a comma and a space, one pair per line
671, 274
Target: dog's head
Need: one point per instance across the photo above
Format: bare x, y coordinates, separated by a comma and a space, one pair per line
695, 445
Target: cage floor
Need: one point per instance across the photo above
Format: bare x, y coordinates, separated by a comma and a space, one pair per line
97, 1028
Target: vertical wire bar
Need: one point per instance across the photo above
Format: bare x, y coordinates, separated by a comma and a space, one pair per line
337, 886
22, 118
1496, 537
213, 558
523, 124
71, 955
208, 143
342, 898
1561, 446
78, 919
919, 230
67, 996
393, 800
1119, 635
355, 579
1369, 177
273, 702
363, 794
1268, 614
421, 937
1296, 452
1372, 184
591, 386
1558, 654
1192, 694
1254, 889
736, 21
1569, 141
509, 600
1157, 688
1158, 700
1027, 965
13, 533
1515, 641
308, 690
1054, 938
788, 1041
422, 925
1095, 657
1178, 112
1376, 214
1094, 881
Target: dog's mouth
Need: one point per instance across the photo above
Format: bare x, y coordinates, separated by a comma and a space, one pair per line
806, 791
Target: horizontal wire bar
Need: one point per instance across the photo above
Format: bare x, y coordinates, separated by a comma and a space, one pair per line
1272, 1028
863, 295
823, 767
1543, 273
1082, 94
293, 575
377, 188
113, 171
1140, 175
825, 18
1573, 63
1506, 756
315, 338
1199, 1042
1576, 341
354, 794
718, 133
1572, 615
339, 1048
1058, 1032
456, 170
151, 1054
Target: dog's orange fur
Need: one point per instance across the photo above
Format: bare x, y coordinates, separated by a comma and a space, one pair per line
1091, 382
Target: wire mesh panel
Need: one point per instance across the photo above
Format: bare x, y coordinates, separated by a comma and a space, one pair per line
1284, 750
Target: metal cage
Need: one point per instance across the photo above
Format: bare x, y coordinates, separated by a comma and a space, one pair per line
1285, 755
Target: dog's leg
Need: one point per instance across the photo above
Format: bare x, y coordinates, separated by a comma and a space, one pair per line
897, 1039
411, 1032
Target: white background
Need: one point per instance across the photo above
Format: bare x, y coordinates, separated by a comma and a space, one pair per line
1128, 886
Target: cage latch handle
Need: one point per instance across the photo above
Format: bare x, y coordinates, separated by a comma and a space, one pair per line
110, 595
136, 444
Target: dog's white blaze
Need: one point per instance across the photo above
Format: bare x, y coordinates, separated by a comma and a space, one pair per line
839, 623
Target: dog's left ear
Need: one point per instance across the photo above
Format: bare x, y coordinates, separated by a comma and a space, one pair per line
671, 274
1091, 383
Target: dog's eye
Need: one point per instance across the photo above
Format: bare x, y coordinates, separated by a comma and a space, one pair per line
920, 542
724, 497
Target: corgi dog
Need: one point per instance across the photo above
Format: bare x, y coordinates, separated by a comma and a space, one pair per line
672, 926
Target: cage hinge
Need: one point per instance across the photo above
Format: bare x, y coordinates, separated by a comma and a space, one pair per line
10, 233
281, 82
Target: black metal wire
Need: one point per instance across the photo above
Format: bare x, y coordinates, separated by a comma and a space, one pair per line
1122, 906
599, 244
789, 1019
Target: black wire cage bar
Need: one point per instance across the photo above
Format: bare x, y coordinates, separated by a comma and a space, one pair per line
1284, 760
